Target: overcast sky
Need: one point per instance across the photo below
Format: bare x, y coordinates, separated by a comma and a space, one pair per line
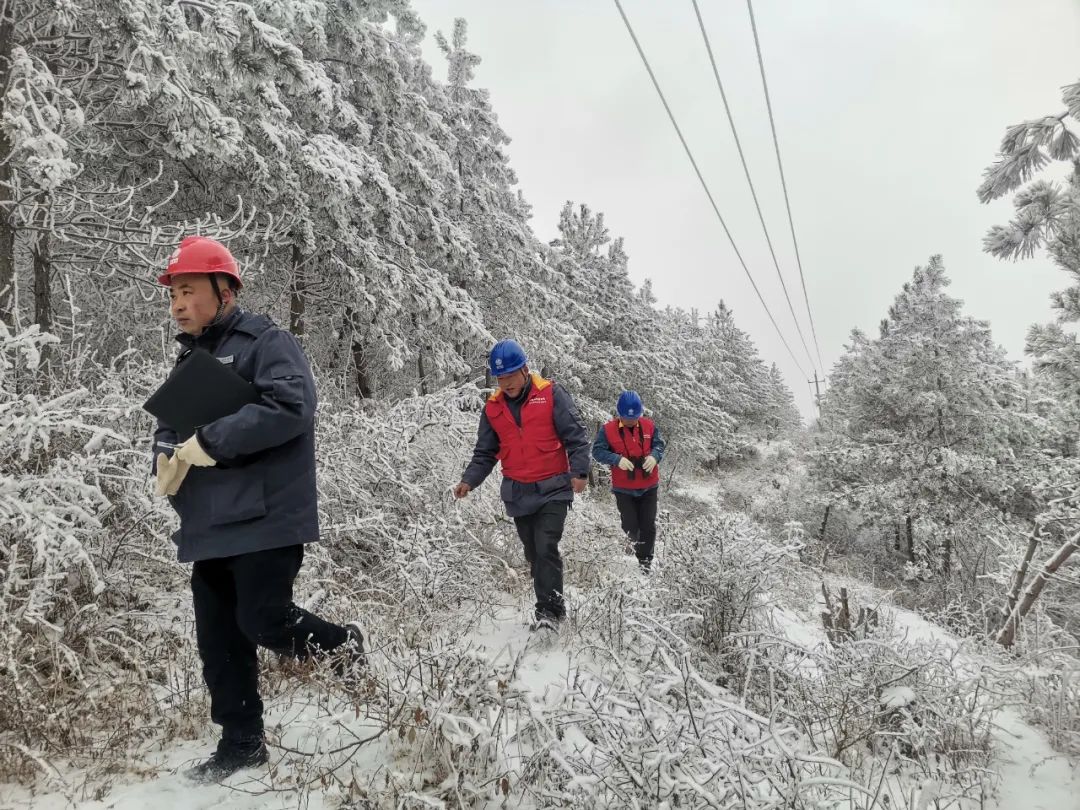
887, 112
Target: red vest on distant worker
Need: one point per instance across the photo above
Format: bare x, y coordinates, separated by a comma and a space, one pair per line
533, 451
632, 443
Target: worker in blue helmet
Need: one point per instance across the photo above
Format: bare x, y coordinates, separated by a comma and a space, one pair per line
632, 446
532, 427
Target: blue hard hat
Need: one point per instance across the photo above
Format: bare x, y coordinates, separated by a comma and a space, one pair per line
506, 357
629, 406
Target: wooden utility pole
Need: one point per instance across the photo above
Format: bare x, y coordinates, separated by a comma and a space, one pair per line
817, 390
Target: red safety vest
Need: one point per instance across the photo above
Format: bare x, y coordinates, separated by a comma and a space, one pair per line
533, 451
632, 443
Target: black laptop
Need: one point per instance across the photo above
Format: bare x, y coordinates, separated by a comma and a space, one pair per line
200, 390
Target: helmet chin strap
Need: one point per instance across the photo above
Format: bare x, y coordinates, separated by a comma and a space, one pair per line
220, 306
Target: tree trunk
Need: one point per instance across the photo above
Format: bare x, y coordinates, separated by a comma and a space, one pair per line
843, 621
297, 302
421, 370
7, 229
824, 523
1008, 632
910, 540
1021, 573
364, 387
43, 315
896, 537
946, 553
422, 373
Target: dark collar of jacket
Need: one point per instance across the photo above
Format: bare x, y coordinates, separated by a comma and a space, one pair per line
519, 400
238, 321
515, 405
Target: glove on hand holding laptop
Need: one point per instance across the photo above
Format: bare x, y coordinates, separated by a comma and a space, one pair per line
192, 452
172, 471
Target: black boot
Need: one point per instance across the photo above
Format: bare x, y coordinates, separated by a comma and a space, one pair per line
231, 755
545, 623
349, 658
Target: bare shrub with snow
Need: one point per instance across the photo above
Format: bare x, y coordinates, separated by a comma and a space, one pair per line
633, 706
84, 559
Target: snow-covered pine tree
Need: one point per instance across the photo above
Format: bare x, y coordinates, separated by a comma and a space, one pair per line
924, 426
1047, 217
517, 288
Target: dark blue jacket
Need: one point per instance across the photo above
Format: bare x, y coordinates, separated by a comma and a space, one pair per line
261, 495
602, 452
522, 498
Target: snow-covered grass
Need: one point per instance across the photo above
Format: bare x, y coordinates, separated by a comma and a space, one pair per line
710, 683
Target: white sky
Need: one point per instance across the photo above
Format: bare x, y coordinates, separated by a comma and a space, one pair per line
887, 113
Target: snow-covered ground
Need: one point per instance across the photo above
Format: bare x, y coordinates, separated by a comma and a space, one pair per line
1032, 775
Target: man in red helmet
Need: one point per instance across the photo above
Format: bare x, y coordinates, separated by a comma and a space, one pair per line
244, 488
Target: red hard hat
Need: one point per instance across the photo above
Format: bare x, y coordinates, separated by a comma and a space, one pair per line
200, 254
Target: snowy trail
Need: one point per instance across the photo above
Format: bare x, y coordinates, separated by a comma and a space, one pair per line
542, 669
165, 787
1033, 775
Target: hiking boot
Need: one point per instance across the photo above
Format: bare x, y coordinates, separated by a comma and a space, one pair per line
545, 624
231, 756
349, 657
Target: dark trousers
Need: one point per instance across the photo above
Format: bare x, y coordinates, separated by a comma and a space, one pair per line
241, 602
540, 534
638, 516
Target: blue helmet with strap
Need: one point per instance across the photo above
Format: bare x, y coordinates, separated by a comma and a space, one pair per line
506, 357
629, 405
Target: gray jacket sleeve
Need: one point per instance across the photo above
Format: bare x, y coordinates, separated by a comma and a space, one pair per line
163, 433
484, 454
658, 444
286, 408
571, 431
601, 449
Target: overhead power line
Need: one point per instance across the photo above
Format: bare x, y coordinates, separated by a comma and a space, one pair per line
783, 180
749, 181
705, 185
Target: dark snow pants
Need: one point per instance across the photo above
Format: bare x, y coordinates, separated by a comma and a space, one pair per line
540, 534
241, 602
638, 516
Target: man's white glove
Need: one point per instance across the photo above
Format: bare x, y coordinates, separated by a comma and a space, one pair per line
192, 452
170, 474
626, 464
649, 464
165, 473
